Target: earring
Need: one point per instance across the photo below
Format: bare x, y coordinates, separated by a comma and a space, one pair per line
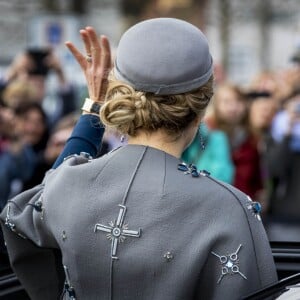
122, 139
202, 141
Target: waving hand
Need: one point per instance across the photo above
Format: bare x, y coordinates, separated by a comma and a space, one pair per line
95, 63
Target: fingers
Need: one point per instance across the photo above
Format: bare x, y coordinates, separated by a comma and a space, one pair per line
106, 64
81, 58
99, 50
86, 40
78, 56
95, 63
94, 45
106, 54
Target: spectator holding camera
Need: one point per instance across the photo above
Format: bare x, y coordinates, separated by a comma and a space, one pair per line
31, 68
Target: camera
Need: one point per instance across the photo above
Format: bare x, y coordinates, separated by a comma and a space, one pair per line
38, 55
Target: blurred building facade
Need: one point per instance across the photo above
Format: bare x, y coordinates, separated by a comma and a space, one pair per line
252, 36
43, 23
245, 36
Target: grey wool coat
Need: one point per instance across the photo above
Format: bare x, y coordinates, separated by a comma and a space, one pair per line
131, 225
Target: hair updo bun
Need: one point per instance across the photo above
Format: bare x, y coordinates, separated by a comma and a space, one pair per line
128, 110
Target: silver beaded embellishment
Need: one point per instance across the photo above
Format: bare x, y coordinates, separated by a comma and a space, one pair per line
68, 288
168, 256
229, 264
254, 208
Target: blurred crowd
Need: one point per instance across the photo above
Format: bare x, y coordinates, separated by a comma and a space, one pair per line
250, 136
31, 134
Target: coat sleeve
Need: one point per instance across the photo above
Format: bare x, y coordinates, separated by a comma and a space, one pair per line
33, 249
38, 269
33, 252
86, 137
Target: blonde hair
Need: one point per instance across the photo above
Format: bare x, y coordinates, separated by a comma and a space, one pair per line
18, 92
129, 111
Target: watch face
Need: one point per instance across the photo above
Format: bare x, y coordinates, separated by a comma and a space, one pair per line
95, 108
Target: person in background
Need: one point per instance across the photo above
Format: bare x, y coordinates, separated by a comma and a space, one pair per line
229, 113
210, 151
55, 144
279, 84
31, 68
19, 92
262, 109
285, 197
143, 186
27, 140
6, 126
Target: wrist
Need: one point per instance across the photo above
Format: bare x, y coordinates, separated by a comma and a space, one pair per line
97, 100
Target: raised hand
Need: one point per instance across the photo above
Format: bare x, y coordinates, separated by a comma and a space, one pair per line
19, 67
95, 63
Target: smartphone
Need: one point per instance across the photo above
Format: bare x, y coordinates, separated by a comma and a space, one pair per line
38, 55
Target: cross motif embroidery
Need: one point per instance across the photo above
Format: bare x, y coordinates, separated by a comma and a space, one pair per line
229, 264
117, 231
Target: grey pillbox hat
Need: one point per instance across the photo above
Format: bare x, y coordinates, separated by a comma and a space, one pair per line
164, 56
